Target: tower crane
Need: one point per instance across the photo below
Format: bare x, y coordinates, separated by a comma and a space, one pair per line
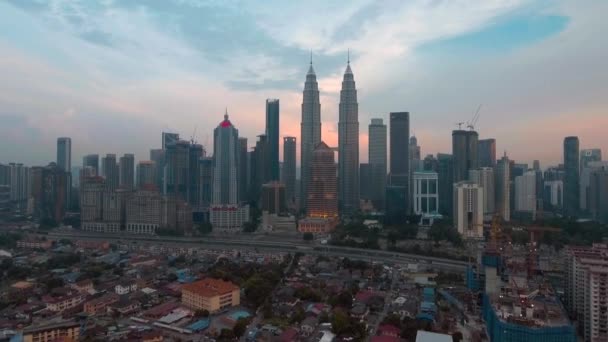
471, 124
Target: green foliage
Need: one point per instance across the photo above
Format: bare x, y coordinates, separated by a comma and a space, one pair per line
205, 228
53, 283
343, 324
63, 260
298, 316
344, 299
9, 240
308, 294
441, 230
308, 236
240, 327
168, 232
226, 335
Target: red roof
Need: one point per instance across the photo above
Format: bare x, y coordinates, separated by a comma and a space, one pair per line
210, 287
226, 123
288, 335
385, 339
389, 329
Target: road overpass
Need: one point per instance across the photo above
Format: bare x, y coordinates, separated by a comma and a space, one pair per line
277, 246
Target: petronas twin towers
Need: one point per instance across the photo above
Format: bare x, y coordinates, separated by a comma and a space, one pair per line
348, 138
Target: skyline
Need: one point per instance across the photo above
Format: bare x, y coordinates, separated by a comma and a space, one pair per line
112, 76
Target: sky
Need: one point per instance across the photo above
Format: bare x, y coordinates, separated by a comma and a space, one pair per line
114, 74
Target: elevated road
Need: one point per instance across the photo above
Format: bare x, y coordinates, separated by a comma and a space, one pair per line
277, 246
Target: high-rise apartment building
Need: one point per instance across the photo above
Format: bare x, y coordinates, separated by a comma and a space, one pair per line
322, 195
591, 159
590, 155
146, 174
92, 160
525, 193
486, 151
49, 193
206, 176
468, 209
310, 130
415, 156
158, 157
348, 145
20, 182
484, 177
177, 161
168, 139
272, 135
377, 162
127, 171
464, 152
64, 153
571, 179
260, 172
502, 190
289, 167
598, 194
110, 171
92, 189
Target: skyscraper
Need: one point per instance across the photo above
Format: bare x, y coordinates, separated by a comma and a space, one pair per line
110, 172
486, 149
273, 198
310, 129
414, 154
484, 177
502, 190
177, 161
64, 162
377, 162
399, 148
289, 167
158, 157
146, 174
464, 152
243, 170
127, 169
322, 196
272, 134
571, 179
169, 138
260, 173
91, 160
445, 171
225, 143
64, 154
525, 194
348, 145
590, 155
226, 214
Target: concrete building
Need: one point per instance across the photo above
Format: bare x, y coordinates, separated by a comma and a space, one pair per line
168, 139
396, 204
377, 162
91, 160
289, 168
260, 172
110, 171
158, 157
211, 294
273, 198
64, 154
113, 212
49, 193
127, 171
322, 193
445, 171
243, 170
399, 150
486, 151
468, 209
206, 177
310, 135
52, 331
92, 189
553, 195
525, 193
226, 212
365, 179
572, 176
484, 177
598, 195
585, 181
502, 190
348, 145
146, 173
272, 134
590, 155
20, 184
464, 152
144, 212
426, 192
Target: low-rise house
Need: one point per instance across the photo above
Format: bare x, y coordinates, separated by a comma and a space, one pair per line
389, 330
125, 307
35, 244
289, 335
100, 305
308, 326
359, 311
59, 304
125, 287
85, 285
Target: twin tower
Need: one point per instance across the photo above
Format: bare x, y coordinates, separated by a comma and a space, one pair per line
348, 139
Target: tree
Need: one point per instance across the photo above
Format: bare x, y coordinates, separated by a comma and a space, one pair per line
205, 228
344, 299
298, 316
308, 236
202, 313
227, 335
340, 323
240, 327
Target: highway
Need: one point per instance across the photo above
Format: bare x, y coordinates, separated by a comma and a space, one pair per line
277, 246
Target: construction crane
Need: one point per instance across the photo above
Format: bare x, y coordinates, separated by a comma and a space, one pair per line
459, 124
192, 141
471, 124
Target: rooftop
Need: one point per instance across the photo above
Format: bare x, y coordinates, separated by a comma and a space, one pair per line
210, 287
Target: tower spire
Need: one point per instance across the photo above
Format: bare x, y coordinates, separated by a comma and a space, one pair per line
310, 56
348, 58
226, 114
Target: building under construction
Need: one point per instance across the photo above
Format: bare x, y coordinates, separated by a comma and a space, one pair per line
518, 302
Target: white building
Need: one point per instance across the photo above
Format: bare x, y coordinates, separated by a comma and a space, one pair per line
525, 193
468, 209
484, 177
125, 288
228, 217
554, 193
585, 180
426, 193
